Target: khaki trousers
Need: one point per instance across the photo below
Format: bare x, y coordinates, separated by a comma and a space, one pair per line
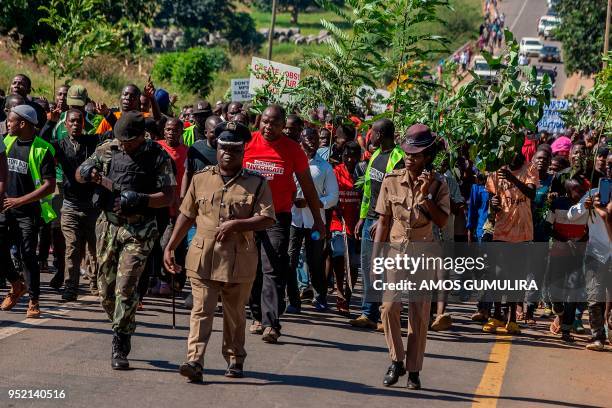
418, 322
233, 297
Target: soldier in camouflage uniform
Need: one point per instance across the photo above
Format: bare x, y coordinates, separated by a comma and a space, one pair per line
135, 176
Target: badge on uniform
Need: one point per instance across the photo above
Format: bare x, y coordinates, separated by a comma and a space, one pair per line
232, 134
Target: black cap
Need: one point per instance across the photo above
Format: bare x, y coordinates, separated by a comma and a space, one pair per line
202, 107
232, 133
129, 126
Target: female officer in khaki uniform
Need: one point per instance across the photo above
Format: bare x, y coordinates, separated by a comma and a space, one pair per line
411, 200
227, 203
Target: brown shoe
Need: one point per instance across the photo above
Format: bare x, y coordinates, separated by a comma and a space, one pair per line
380, 328
18, 289
33, 310
442, 322
363, 322
270, 335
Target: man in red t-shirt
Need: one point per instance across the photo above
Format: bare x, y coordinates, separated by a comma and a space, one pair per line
278, 158
166, 217
347, 213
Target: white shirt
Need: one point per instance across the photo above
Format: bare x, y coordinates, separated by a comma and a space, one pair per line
599, 245
327, 187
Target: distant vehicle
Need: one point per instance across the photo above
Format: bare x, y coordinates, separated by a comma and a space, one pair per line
552, 12
530, 46
482, 69
552, 3
541, 71
547, 26
550, 53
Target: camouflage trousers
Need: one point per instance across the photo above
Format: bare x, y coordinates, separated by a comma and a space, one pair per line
122, 254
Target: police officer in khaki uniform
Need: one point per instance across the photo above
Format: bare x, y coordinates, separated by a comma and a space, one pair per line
411, 200
227, 203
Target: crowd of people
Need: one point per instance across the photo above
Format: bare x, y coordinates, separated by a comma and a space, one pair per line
274, 211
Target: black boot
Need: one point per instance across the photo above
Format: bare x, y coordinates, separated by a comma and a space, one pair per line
414, 383
395, 371
126, 341
119, 359
234, 370
192, 370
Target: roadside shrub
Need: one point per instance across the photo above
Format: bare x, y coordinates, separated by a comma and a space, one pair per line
193, 71
162, 70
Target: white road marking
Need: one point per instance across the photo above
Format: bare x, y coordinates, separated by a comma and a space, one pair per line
53, 311
518, 16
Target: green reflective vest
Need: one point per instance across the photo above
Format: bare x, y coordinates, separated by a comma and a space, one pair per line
38, 150
189, 136
397, 154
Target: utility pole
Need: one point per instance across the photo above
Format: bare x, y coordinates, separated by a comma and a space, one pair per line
271, 33
607, 34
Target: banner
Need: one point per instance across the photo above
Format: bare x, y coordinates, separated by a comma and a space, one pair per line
374, 99
291, 73
240, 90
551, 119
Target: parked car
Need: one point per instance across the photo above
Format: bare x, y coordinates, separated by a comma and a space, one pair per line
552, 73
530, 46
547, 26
550, 53
482, 69
552, 3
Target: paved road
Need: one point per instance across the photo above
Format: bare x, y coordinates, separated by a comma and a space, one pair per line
320, 361
522, 19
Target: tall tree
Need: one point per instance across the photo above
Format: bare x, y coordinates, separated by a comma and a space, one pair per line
21, 17
210, 15
77, 38
582, 33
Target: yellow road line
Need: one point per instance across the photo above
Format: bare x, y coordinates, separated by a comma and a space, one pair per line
489, 389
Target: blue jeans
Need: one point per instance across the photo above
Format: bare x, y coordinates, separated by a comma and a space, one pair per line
368, 309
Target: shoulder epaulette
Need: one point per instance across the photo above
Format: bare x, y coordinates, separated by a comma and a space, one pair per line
205, 169
397, 172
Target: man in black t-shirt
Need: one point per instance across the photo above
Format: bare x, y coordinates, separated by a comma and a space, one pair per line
78, 214
22, 85
31, 178
202, 153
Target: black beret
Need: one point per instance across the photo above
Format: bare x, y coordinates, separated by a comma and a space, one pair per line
232, 133
129, 126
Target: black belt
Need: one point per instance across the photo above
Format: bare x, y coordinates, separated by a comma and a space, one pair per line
120, 220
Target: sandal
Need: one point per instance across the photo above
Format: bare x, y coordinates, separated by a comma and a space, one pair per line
555, 326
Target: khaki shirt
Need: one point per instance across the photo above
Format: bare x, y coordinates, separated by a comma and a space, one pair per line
211, 201
400, 198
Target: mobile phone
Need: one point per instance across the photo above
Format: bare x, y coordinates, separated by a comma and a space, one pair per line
429, 167
604, 190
